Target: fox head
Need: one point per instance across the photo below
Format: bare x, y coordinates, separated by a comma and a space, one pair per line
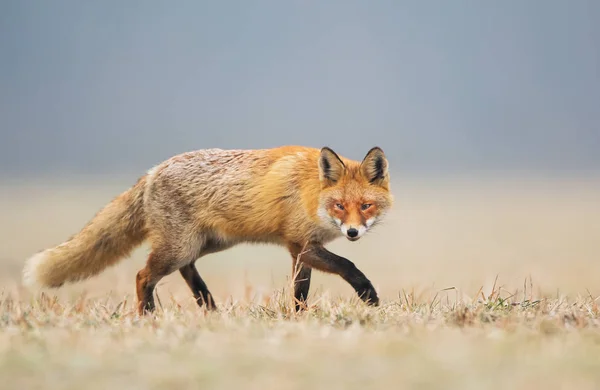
354, 196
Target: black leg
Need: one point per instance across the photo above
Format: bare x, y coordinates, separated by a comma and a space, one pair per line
318, 257
301, 273
197, 285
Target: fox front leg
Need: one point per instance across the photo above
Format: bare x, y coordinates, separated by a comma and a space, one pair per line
320, 258
301, 274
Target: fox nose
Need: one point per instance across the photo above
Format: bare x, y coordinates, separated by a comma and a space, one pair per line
352, 232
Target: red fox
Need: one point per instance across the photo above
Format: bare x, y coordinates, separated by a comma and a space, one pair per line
206, 201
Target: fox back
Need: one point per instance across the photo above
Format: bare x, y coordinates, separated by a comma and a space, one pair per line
288, 194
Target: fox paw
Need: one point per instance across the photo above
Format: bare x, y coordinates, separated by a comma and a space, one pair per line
369, 296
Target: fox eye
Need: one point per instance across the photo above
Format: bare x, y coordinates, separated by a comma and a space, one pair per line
365, 206
339, 206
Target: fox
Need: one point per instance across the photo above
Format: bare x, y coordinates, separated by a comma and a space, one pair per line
209, 200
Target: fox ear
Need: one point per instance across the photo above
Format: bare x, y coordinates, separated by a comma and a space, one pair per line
331, 167
374, 167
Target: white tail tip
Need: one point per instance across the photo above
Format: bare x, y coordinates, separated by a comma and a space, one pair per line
30, 275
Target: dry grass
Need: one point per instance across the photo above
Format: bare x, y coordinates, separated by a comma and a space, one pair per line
483, 285
490, 342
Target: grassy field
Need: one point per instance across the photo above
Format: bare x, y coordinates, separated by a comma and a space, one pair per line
484, 284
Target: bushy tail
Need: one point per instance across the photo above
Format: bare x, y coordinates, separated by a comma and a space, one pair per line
110, 236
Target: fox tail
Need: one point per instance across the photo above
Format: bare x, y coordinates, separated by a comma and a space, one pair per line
110, 236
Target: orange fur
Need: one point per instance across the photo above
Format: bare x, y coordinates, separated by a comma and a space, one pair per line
206, 201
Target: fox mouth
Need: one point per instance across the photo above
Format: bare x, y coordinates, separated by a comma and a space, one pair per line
352, 233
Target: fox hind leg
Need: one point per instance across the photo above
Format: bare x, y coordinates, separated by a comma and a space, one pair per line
163, 260
198, 286
145, 289
192, 277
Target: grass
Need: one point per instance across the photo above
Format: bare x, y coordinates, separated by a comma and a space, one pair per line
484, 285
488, 341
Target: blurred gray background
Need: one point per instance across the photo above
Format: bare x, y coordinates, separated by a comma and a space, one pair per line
442, 86
92, 94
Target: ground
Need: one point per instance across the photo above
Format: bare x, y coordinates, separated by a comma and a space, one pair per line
485, 283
